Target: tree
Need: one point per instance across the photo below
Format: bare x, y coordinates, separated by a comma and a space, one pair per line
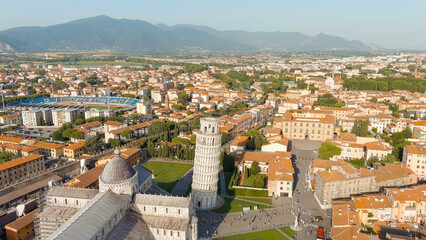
328, 150
42, 122
93, 145
82, 85
257, 143
114, 143
406, 133
79, 121
254, 169
327, 100
134, 117
77, 135
57, 135
372, 160
127, 133
66, 134
224, 137
6, 156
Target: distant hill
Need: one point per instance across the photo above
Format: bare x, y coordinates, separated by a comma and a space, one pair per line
102, 32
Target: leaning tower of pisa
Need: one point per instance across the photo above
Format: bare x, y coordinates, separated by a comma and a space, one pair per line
206, 164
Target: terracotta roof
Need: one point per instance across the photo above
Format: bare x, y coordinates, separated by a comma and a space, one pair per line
239, 141
23, 221
77, 145
405, 195
11, 115
113, 123
91, 124
371, 201
376, 146
86, 179
49, 145
10, 139
331, 176
20, 161
415, 149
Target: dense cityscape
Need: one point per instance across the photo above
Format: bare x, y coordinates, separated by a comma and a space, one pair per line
224, 120
299, 146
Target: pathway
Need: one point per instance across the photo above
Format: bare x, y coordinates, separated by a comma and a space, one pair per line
183, 184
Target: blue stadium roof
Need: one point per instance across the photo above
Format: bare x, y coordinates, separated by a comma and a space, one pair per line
84, 100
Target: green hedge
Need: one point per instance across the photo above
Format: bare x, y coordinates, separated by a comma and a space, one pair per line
244, 192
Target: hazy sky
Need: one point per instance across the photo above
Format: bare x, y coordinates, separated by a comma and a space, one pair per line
388, 23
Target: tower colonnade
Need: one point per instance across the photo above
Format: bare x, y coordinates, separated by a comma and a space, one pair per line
206, 164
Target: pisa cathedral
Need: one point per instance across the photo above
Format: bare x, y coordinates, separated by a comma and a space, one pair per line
128, 205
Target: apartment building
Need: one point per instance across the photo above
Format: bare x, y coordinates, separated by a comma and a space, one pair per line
341, 182
144, 107
414, 157
75, 150
278, 167
11, 119
93, 126
380, 122
112, 125
157, 95
19, 150
408, 204
52, 150
335, 180
97, 113
22, 228
303, 125
350, 150
32, 117
132, 155
346, 222
376, 149
21, 168
61, 116
372, 207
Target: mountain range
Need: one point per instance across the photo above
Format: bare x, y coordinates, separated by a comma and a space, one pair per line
105, 33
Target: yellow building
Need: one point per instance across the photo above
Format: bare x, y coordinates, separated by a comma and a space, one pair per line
22, 228
304, 125
75, 150
21, 168
132, 155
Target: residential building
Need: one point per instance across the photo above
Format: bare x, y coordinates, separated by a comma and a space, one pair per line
346, 224
97, 113
301, 125
238, 144
61, 116
11, 119
21, 168
373, 207
74, 151
32, 117
414, 157
408, 204
93, 126
22, 228
144, 107
132, 155
53, 150
376, 149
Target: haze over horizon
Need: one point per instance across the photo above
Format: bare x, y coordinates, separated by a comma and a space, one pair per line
390, 24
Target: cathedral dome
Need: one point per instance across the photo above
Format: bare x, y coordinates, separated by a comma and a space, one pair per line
117, 170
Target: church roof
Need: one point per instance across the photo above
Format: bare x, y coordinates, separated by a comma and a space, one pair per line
158, 200
95, 215
117, 170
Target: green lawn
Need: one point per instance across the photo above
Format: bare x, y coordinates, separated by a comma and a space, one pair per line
266, 200
271, 234
234, 205
287, 230
167, 173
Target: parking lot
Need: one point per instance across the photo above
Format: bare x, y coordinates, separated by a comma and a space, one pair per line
43, 132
